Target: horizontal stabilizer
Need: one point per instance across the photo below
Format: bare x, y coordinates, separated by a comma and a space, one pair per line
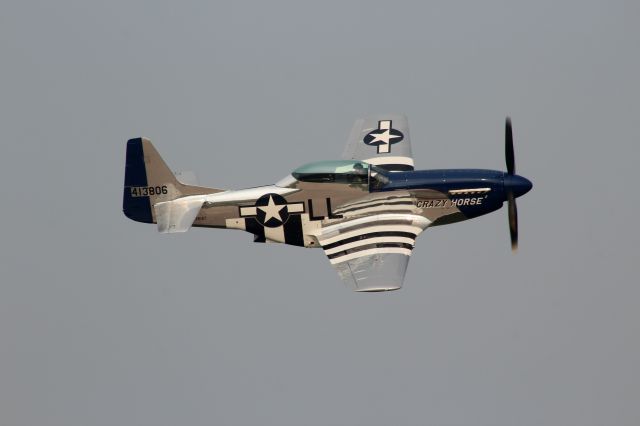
177, 215
187, 178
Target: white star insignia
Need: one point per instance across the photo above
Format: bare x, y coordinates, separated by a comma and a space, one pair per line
384, 137
272, 210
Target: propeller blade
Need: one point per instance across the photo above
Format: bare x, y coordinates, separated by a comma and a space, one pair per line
513, 220
508, 148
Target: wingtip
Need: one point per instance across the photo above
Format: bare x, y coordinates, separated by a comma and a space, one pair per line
377, 289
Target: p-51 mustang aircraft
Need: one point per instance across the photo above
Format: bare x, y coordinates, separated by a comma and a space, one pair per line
365, 211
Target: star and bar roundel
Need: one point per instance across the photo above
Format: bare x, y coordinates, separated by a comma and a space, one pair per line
272, 210
383, 137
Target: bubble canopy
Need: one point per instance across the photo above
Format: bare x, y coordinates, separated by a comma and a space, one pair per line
339, 171
333, 166
351, 172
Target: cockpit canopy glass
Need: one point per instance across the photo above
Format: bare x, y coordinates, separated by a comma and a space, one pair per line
341, 171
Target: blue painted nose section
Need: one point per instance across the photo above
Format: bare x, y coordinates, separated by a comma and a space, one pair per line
517, 184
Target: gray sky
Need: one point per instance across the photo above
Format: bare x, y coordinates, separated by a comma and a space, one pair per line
104, 321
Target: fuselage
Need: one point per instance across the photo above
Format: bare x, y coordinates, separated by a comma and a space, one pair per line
293, 210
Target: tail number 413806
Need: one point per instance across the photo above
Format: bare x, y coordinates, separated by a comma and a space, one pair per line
145, 191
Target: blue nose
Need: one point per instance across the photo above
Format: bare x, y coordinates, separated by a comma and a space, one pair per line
517, 184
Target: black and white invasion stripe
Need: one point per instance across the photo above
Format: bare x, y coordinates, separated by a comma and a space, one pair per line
402, 204
385, 233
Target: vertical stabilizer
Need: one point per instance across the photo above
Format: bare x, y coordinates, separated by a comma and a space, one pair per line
148, 181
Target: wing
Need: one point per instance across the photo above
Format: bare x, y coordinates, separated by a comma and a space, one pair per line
371, 252
382, 140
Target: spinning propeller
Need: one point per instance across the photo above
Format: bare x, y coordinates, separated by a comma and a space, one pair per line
514, 185
511, 169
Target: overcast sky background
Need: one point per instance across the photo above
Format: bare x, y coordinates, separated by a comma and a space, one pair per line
103, 321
